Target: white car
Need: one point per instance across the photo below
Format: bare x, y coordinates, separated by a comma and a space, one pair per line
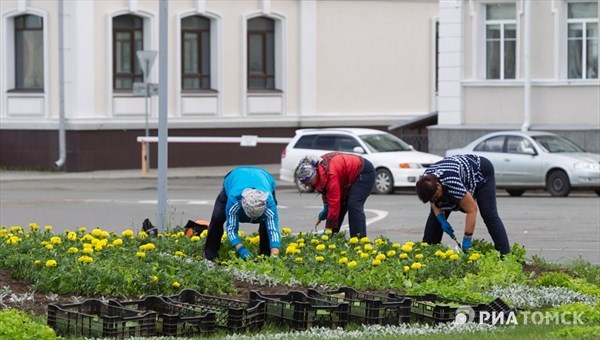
536, 160
397, 163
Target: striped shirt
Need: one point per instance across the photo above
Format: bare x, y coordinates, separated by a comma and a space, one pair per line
458, 174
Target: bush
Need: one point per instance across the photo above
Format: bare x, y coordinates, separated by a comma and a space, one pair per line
16, 324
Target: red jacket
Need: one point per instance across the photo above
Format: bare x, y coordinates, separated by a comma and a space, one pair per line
337, 172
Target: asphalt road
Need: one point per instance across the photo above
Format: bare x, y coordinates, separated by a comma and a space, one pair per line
559, 229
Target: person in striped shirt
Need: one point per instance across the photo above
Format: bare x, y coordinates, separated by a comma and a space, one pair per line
465, 183
248, 196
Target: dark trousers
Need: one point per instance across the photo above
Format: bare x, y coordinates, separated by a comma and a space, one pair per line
485, 195
354, 204
215, 230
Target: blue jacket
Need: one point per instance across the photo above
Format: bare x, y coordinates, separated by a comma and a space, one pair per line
235, 182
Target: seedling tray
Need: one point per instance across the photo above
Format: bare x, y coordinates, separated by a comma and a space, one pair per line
232, 315
174, 319
301, 312
94, 318
366, 308
432, 307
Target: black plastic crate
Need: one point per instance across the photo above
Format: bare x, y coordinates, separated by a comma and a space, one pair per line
174, 319
232, 315
301, 312
495, 308
367, 308
94, 318
432, 307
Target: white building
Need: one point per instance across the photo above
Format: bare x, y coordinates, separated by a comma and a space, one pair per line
268, 67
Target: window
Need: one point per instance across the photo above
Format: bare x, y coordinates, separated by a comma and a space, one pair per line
127, 40
516, 144
494, 144
29, 52
500, 41
261, 54
582, 40
195, 54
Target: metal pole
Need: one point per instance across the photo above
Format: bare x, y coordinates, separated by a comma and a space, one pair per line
162, 116
62, 149
146, 73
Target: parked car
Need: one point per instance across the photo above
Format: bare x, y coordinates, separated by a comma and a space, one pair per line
397, 163
536, 160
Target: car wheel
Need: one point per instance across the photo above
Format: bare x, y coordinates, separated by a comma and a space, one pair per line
515, 193
384, 182
301, 187
558, 184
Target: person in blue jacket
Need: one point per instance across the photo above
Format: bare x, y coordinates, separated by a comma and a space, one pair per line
248, 196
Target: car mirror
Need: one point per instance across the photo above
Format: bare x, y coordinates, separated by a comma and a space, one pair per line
358, 149
529, 151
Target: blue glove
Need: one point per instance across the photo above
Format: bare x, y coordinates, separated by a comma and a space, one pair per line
466, 243
244, 253
446, 227
324, 212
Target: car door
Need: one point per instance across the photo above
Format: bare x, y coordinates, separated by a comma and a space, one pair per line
522, 166
492, 148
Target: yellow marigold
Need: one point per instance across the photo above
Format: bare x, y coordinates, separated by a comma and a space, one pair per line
403, 256
379, 242
297, 251
324, 237
179, 253
352, 264
140, 254
154, 279
407, 248
438, 252
364, 255
415, 265
320, 247
88, 245
117, 242
82, 229
300, 240
365, 240
241, 233
96, 232
48, 228
71, 236
203, 233
442, 256
105, 234
453, 257
34, 226
72, 250
142, 234
319, 258
358, 249
255, 240
314, 241
127, 233
286, 230
13, 240
87, 238
374, 251
290, 249
343, 260
85, 259
37, 263
49, 246
331, 246
410, 243
195, 238
396, 245
51, 263
343, 252
98, 247
474, 257
299, 260
176, 285
449, 252
406, 269
150, 246
368, 247
380, 257
15, 229
419, 256
353, 240
424, 244
87, 250
328, 232
376, 262
391, 253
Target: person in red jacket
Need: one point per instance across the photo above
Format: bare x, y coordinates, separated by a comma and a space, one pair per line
345, 182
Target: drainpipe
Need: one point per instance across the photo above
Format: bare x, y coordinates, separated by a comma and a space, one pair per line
526, 65
61, 88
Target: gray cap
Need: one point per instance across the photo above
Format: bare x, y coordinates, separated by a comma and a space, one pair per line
254, 202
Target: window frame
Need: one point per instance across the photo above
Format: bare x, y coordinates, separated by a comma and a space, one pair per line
264, 74
503, 40
137, 75
199, 75
584, 41
16, 83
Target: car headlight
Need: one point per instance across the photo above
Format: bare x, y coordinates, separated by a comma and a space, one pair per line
587, 165
410, 165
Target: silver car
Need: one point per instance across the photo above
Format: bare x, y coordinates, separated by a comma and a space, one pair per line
536, 160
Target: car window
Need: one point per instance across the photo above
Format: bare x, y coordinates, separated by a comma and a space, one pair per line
557, 144
305, 142
385, 142
325, 143
494, 144
517, 144
346, 144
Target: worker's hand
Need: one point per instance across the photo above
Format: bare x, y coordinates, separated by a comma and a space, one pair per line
244, 253
466, 243
324, 212
446, 227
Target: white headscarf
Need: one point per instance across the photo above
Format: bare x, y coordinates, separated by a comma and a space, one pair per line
254, 202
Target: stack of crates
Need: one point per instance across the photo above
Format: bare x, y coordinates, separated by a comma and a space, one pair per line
173, 319
301, 312
370, 309
234, 316
433, 308
94, 318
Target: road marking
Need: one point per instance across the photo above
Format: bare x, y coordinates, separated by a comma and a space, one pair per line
380, 215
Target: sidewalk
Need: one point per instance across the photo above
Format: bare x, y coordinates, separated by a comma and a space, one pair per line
197, 172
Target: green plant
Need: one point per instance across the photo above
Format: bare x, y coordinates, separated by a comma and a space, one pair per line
16, 324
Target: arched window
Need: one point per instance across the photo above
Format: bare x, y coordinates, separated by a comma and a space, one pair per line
29, 52
127, 40
195, 53
261, 54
